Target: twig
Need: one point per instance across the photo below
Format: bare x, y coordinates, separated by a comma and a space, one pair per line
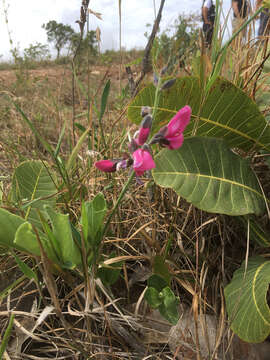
81, 22
146, 62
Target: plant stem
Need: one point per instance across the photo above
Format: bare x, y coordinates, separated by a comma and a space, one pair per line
7, 334
124, 190
157, 97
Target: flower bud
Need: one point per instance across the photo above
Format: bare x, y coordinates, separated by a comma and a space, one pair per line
144, 131
145, 110
164, 70
106, 165
147, 122
167, 84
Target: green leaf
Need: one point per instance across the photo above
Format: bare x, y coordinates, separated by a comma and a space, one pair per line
75, 151
9, 223
209, 175
109, 274
93, 214
169, 307
8, 332
26, 269
161, 268
34, 186
68, 251
246, 301
26, 239
227, 112
157, 282
104, 99
256, 232
153, 297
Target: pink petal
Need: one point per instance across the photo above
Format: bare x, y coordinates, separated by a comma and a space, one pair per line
106, 165
179, 122
138, 158
142, 161
143, 135
175, 142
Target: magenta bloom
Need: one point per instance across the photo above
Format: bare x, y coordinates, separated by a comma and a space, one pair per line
106, 165
173, 132
142, 161
144, 130
143, 135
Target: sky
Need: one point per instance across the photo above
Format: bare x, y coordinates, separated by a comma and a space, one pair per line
25, 19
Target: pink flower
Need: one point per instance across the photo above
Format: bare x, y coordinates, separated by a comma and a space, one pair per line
143, 135
171, 135
106, 165
144, 130
142, 161
176, 126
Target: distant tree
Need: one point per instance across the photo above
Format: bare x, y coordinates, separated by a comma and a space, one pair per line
183, 44
36, 52
89, 42
59, 34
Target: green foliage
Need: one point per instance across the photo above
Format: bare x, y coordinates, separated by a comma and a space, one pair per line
160, 296
9, 223
92, 219
34, 191
246, 301
213, 178
209, 175
88, 43
67, 250
33, 186
227, 112
4, 342
28, 272
59, 34
257, 233
109, 274
36, 52
179, 47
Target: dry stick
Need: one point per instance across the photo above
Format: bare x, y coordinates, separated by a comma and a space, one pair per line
146, 65
265, 57
81, 22
120, 42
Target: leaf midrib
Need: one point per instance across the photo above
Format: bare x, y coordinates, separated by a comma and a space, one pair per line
164, 173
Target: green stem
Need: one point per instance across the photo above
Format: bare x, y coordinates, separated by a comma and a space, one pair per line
7, 334
157, 96
124, 190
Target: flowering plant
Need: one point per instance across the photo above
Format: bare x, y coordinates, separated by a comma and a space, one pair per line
141, 158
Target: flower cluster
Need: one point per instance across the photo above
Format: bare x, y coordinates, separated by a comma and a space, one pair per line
170, 136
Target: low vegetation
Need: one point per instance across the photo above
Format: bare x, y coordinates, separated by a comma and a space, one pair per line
133, 196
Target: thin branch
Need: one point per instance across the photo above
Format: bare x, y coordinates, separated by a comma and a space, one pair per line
146, 62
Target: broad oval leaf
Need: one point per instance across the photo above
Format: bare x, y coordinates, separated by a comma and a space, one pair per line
209, 175
27, 239
9, 223
227, 112
92, 219
68, 251
246, 300
34, 186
